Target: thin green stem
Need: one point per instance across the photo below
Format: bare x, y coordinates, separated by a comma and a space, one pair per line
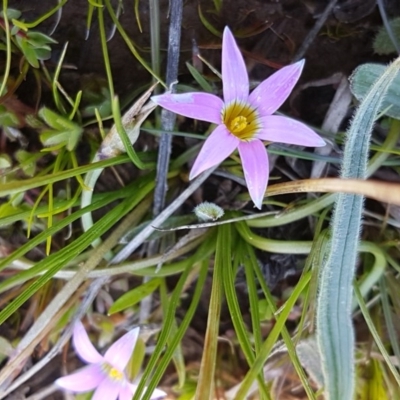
8, 49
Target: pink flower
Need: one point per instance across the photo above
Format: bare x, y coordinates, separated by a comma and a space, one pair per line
105, 374
243, 119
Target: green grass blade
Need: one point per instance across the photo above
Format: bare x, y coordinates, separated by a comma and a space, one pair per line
8, 51
285, 334
169, 320
272, 338
236, 315
205, 386
376, 336
56, 261
176, 339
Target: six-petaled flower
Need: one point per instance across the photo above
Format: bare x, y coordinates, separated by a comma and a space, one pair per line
244, 120
105, 373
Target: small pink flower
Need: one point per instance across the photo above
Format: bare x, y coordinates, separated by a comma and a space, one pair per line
243, 119
104, 374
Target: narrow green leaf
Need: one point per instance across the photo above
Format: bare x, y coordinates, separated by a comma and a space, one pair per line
376, 336
166, 329
176, 339
17, 186
268, 344
54, 262
207, 24
124, 136
199, 78
134, 296
129, 43
46, 15
205, 386
285, 334
38, 39
236, 313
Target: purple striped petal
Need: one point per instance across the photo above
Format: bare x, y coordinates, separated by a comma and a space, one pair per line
218, 146
201, 106
83, 346
276, 128
270, 94
84, 380
121, 351
107, 390
256, 169
234, 73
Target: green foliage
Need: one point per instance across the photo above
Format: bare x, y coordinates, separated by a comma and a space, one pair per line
134, 296
199, 78
11, 13
382, 43
7, 117
365, 76
63, 133
34, 46
45, 192
27, 162
5, 161
207, 24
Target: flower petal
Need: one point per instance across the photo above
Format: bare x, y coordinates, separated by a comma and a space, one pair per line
270, 94
127, 392
107, 390
84, 380
256, 169
276, 128
235, 80
157, 394
83, 346
121, 351
201, 106
218, 146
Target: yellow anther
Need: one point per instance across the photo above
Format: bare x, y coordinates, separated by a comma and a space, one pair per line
241, 120
238, 124
115, 374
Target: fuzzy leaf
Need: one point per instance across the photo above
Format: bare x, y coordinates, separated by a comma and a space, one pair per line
335, 331
382, 42
362, 80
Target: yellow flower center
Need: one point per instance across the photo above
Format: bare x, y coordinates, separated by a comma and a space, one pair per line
238, 124
113, 373
241, 120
